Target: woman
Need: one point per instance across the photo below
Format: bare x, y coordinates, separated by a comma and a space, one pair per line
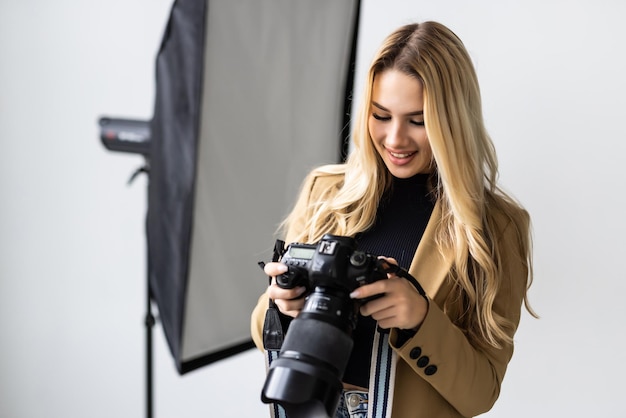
420, 187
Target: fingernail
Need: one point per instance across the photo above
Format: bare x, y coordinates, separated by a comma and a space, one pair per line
282, 268
354, 294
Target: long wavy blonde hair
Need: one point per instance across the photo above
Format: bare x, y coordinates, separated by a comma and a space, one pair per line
465, 179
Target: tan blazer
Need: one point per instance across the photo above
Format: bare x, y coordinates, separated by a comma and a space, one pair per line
453, 378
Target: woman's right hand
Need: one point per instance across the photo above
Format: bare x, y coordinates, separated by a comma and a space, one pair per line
289, 301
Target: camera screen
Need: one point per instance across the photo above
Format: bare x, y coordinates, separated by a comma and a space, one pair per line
300, 252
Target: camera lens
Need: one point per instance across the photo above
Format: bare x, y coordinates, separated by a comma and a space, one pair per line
306, 376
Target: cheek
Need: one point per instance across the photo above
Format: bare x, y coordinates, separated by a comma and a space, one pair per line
374, 129
424, 144
428, 149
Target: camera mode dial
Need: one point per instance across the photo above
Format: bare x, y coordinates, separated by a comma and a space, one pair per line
358, 259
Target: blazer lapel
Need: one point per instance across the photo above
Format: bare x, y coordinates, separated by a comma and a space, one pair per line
431, 264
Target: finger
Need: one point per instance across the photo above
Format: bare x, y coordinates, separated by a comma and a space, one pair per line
373, 307
389, 260
276, 292
368, 290
274, 269
405, 309
384, 314
290, 307
389, 265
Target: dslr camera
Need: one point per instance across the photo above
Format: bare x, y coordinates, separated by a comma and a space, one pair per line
306, 378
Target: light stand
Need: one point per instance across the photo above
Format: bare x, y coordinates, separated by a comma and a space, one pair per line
133, 136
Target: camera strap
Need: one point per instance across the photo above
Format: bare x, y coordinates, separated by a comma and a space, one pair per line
382, 377
273, 334
386, 267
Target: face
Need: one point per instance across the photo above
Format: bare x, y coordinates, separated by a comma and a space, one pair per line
396, 124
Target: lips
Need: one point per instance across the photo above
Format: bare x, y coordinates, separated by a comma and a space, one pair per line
401, 155
400, 158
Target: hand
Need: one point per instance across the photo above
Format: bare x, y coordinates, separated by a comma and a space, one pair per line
400, 305
288, 301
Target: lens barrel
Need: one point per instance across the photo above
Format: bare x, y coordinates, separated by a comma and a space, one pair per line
307, 374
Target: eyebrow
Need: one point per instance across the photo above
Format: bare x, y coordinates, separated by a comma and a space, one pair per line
384, 109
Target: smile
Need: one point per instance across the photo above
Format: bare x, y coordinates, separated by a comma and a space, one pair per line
403, 155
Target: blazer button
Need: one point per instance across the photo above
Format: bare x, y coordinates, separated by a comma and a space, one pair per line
430, 370
423, 361
415, 353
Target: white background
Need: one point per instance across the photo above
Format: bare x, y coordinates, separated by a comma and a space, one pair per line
72, 245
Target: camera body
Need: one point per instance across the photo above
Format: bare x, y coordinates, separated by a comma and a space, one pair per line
306, 378
333, 262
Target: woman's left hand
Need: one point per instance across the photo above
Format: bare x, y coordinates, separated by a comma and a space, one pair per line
400, 305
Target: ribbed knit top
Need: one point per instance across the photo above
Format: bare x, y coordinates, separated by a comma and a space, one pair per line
402, 216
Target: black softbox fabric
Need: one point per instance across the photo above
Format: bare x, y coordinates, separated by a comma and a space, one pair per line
250, 95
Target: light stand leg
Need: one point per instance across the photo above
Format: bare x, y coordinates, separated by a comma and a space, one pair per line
149, 325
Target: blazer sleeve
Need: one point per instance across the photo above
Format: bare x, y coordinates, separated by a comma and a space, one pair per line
257, 319
468, 377
296, 225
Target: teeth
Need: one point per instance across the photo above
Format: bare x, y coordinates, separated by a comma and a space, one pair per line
393, 154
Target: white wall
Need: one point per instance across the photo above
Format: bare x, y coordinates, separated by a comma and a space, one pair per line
72, 246
72, 243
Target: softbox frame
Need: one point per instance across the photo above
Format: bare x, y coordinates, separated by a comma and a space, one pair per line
250, 95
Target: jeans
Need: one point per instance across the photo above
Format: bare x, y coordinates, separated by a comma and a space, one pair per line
352, 404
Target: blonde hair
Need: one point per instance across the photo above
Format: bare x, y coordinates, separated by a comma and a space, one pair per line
464, 182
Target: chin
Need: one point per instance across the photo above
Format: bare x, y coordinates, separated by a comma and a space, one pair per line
404, 172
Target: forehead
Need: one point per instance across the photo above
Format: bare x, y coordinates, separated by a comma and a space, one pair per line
397, 91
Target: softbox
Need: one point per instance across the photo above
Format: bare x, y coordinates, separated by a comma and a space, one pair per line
250, 95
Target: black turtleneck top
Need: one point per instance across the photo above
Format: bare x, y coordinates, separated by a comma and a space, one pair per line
402, 216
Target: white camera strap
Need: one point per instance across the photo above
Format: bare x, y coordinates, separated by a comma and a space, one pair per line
276, 411
382, 377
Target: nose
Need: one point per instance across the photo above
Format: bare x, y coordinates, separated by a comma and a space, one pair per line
396, 135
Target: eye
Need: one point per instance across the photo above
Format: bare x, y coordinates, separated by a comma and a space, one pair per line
416, 122
381, 118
